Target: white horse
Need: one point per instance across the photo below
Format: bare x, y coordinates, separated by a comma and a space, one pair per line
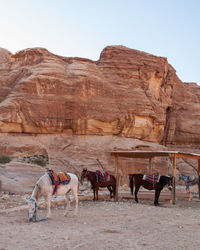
44, 188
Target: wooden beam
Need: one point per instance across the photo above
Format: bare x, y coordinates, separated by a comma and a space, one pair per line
199, 176
179, 155
173, 181
139, 154
117, 177
150, 165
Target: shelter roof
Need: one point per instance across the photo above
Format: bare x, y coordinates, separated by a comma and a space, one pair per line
150, 154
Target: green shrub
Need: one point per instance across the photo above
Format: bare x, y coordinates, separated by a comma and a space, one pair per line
40, 162
5, 159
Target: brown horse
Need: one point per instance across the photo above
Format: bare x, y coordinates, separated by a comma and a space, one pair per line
138, 182
97, 181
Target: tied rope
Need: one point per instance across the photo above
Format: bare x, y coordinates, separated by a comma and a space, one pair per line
34, 219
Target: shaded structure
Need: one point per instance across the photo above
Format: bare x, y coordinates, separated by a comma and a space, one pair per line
150, 155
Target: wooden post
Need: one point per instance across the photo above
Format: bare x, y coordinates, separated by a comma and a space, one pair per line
173, 183
150, 165
117, 178
199, 175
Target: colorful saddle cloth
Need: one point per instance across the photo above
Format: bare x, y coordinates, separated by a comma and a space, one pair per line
153, 178
102, 176
57, 179
64, 178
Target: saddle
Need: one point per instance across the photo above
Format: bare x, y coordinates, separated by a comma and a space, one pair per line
102, 176
153, 178
57, 179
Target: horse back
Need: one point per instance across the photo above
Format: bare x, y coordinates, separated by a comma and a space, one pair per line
74, 178
111, 181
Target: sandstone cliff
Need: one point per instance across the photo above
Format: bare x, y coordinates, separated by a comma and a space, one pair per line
183, 117
124, 93
127, 99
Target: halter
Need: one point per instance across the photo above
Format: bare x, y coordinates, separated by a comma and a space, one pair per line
169, 183
35, 211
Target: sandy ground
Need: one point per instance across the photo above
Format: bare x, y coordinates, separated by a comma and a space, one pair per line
103, 225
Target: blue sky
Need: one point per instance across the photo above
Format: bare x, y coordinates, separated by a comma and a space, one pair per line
169, 28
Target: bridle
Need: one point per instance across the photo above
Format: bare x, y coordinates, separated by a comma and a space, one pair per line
169, 184
35, 209
34, 219
88, 175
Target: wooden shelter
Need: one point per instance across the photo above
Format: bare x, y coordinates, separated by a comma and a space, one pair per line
149, 155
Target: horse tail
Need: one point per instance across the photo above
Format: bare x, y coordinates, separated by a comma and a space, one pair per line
113, 184
131, 182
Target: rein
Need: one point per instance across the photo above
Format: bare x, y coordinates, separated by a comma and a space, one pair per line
35, 211
88, 177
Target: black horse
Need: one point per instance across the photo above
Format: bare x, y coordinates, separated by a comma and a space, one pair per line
137, 180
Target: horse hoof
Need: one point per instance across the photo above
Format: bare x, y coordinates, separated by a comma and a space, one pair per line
48, 216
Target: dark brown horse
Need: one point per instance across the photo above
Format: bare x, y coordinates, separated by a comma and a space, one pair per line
98, 181
137, 181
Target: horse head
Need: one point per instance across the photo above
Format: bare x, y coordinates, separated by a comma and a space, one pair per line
32, 207
84, 174
180, 177
169, 182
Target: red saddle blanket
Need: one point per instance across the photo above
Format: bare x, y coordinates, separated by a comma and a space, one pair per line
153, 178
102, 176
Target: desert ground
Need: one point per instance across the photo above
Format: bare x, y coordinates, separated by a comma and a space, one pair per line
102, 224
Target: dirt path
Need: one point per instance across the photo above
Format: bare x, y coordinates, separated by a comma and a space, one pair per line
106, 225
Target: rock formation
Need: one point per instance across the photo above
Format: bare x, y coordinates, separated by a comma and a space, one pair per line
126, 94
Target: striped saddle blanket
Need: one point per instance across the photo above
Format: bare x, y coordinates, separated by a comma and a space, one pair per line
57, 179
64, 178
153, 178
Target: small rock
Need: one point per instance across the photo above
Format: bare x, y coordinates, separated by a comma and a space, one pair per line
5, 197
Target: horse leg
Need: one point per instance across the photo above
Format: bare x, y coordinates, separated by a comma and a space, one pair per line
136, 191
48, 202
97, 187
93, 187
110, 188
75, 193
157, 194
187, 188
114, 189
68, 204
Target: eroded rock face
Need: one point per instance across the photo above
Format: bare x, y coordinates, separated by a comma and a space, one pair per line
70, 154
125, 93
183, 117
51, 105
5, 55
